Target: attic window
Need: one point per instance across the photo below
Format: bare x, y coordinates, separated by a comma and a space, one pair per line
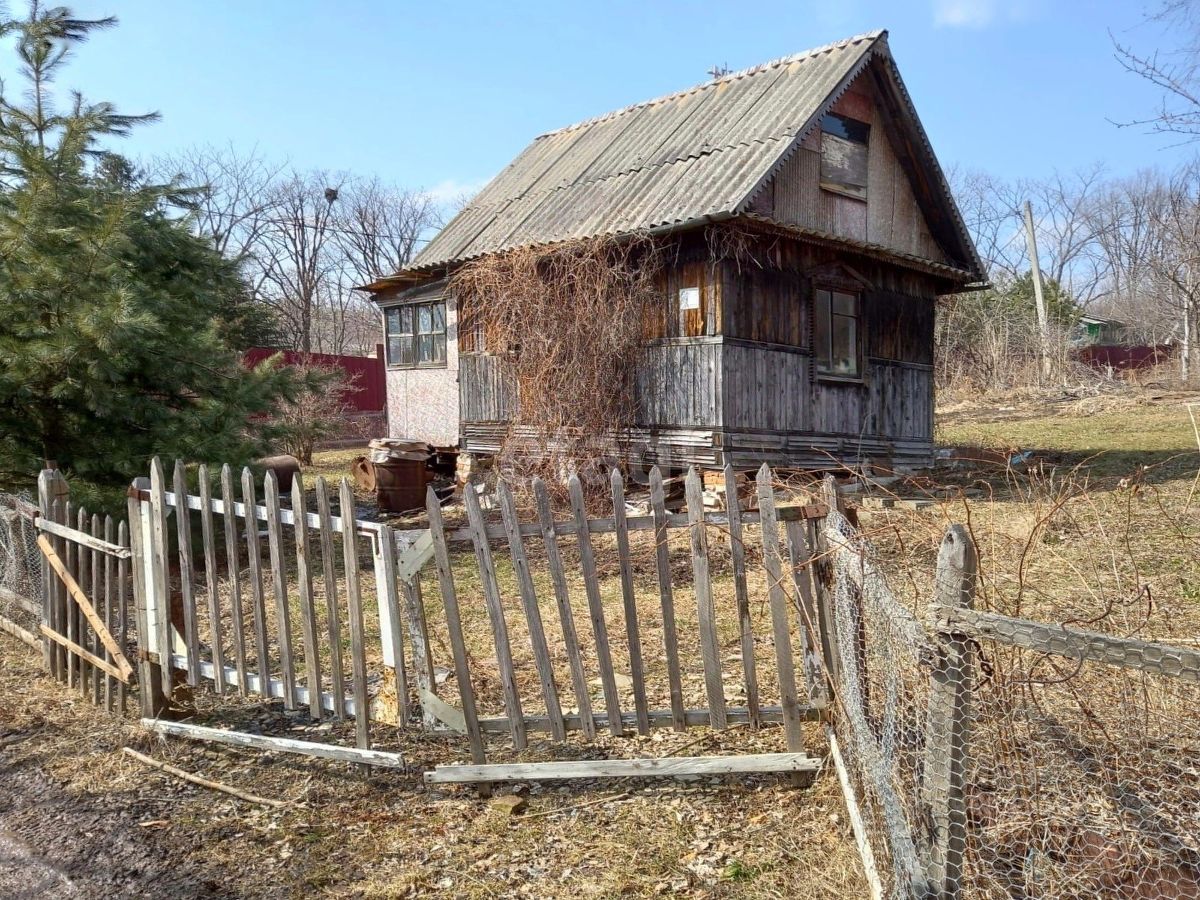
844, 155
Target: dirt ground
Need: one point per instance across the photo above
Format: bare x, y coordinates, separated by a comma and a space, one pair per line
79, 818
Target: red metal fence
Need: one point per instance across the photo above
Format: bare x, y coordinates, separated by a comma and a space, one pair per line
369, 393
1100, 356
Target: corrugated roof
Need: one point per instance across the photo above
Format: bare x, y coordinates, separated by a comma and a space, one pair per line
672, 161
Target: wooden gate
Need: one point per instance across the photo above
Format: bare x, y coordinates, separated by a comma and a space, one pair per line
639, 611
268, 598
85, 602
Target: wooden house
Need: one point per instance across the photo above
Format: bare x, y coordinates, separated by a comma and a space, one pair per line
816, 345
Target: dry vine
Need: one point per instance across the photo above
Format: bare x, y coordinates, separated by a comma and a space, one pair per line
570, 321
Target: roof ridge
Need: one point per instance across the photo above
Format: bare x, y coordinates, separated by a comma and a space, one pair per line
731, 76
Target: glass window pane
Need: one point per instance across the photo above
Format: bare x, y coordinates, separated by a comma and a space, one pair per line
406, 319
439, 348
439, 317
844, 304
425, 348
844, 346
425, 320
393, 320
821, 329
393, 350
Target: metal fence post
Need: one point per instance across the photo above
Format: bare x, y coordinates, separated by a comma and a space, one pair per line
949, 718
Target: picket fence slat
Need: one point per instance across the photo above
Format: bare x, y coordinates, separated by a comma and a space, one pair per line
462, 669
533, 616
122, 608
237, 615
587, 562
710, 648
97, 566
737, 555
329, 583
777, 599
491, 596
358, 657
208, 539
279, 585
633, 634
667, 598
110, 613
566, 618
308, 617
183, 533
387, 573
159, 542
257, 599
800, 558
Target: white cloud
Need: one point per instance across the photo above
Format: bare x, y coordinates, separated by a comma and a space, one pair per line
978, 13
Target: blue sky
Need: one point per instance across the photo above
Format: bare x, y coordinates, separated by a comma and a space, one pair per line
443, 95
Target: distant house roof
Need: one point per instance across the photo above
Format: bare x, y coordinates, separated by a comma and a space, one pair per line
681, 160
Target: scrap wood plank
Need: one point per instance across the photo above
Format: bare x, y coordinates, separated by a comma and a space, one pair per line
122, 668
281, 745
666, 767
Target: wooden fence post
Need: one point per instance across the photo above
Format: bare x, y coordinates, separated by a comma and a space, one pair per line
949, 718
150, 691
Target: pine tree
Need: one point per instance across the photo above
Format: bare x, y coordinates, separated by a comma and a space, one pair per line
119, 328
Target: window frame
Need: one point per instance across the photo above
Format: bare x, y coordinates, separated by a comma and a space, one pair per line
415, 311
855, 133
822, 372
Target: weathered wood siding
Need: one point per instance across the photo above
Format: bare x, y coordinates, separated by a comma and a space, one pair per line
485, 388
679, 384
771, 393
890, 216
750, 392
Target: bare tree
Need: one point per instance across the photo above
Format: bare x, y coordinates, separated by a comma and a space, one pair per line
234, 203
298, 252
1175, 71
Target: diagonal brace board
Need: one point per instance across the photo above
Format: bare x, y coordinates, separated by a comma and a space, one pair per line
124, 669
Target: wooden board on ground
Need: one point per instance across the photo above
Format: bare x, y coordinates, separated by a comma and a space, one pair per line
667, 767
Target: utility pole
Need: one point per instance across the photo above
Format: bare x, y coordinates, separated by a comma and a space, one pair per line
1038, 297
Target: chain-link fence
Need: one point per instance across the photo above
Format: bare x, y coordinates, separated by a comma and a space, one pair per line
20, 562
989, 756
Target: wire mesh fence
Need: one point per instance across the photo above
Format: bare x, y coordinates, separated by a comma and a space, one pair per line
20, 562
991, 756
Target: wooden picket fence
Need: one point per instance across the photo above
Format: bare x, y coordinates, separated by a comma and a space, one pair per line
785, 542
86, 616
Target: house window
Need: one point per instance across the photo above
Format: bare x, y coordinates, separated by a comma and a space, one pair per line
416, 334
844, 155
836, 330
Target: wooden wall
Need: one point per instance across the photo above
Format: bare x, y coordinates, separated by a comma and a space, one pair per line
890, 216
744, 388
